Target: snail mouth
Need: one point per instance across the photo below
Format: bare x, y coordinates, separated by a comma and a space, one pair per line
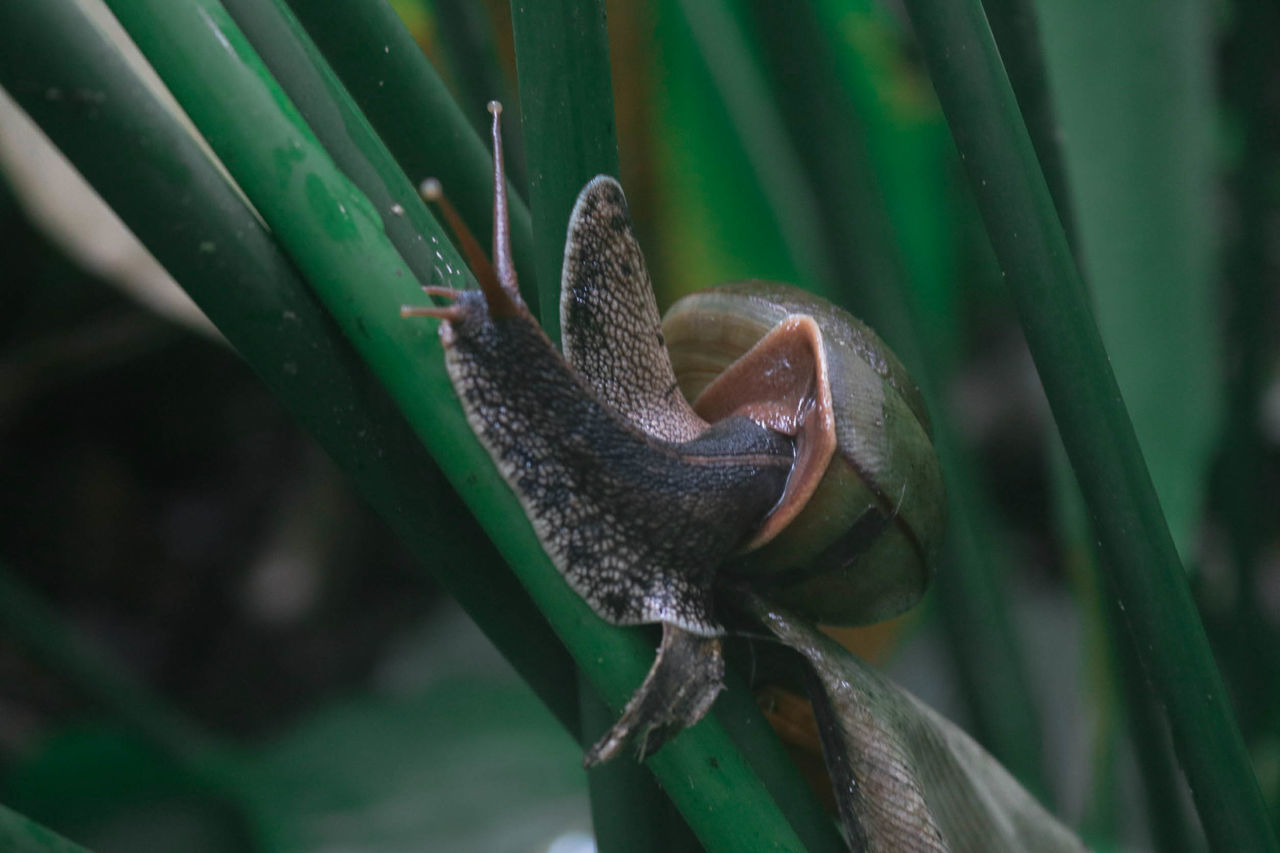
781, 383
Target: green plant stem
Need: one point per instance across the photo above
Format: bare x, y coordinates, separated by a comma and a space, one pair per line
1118, 689
1172, 828
155, 176
1146, 575
629, 811
312, 86
1015, 29
23, 835
566, 103
1017, 34
415, 115
334, 236
735, 71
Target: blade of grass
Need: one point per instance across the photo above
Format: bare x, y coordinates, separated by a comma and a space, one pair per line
1117, 685
1017, 34
732, 65
629, 811
295, 61
566, 103
415, 115
154, 175
335, 238
1146, 575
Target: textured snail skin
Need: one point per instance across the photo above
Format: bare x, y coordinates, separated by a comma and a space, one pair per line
609, 319
636, 525
859, 545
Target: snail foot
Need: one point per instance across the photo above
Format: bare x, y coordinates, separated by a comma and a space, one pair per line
680, 688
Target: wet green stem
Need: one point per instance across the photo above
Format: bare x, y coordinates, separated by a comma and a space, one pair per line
1145, 573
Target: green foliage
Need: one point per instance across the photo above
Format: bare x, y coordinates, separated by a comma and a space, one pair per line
373, 772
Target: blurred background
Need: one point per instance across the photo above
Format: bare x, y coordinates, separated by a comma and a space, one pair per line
163, 520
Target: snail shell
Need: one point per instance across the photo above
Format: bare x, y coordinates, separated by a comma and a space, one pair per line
862, 547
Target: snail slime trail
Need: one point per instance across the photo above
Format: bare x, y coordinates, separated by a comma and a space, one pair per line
643, 501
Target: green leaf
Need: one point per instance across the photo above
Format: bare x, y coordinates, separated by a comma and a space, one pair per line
471, 763
566, 103
1134, 99
717, 222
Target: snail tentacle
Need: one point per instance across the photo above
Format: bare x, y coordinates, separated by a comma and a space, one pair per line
504, 265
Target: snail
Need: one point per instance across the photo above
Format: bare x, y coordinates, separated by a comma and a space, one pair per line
802, 468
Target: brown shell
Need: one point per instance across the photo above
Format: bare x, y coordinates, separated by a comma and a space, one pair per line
863, 547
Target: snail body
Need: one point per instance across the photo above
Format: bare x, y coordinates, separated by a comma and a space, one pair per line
645, 503
609, 502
